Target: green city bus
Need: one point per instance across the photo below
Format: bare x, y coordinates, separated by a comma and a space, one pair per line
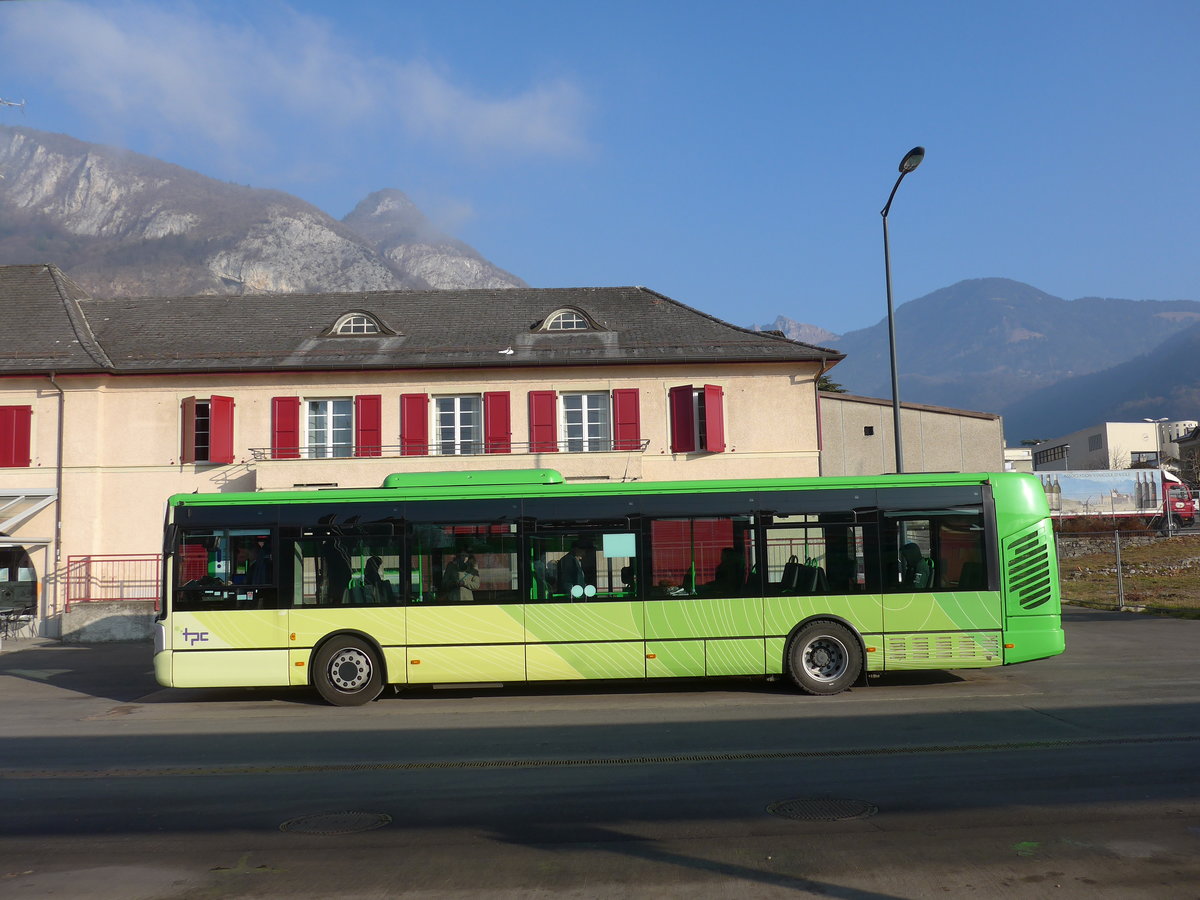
522, 575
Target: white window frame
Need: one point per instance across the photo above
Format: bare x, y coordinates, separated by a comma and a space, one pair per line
320, 416
461, 415
567, 320
357, 324
699, 419
585, 421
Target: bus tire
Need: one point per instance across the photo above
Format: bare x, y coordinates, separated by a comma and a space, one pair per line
824, 658
347, 672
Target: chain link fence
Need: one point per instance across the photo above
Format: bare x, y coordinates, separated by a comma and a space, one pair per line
1136, 570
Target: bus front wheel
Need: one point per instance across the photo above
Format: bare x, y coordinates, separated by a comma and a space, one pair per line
347, 672
824, 658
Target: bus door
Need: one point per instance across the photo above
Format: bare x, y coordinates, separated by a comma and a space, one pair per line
345, 577
465, 618
938, 609
228, 624
585, 618
704, 603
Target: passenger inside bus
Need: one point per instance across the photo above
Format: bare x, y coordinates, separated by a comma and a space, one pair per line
460, 579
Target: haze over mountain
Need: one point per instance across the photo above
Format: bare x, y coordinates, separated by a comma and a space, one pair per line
1163, 382
125, 224
408, 240
993, 344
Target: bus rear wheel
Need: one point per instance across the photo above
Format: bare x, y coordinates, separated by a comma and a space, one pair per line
346, 671
824, 658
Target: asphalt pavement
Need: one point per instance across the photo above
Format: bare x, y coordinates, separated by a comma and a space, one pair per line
1069, 777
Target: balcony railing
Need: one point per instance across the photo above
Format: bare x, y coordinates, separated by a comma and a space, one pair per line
446, 448
94, 578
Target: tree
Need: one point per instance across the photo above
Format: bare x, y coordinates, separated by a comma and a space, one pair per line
824, 383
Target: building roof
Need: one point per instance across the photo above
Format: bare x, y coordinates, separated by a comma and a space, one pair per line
904, 404
60, 328
44, 329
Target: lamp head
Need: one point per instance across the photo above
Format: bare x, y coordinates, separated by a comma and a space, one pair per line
911, 160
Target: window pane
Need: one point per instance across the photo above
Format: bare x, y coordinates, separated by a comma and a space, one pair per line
713, 557
358, 325
203, 431
459, 423
224, 569
463, 564
567, 321
814, 555
586, 423
943, 550
584, 565
346, 570
330, 428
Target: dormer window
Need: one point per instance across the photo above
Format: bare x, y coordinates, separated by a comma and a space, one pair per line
566, 320
356, 323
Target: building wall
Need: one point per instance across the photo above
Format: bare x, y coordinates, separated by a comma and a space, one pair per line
122, 440
857, 438
1109, 445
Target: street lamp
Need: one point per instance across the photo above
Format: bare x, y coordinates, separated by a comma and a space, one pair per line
911, 160
1158, 441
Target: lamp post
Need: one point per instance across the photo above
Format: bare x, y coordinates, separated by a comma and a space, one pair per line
1158, 441
911, 160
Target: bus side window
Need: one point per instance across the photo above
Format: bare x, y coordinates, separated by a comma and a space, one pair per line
581, 566
935, 551
465, 563
703, 557
807, 556
225, 569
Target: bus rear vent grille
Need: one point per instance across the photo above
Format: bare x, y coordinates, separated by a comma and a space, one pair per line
901, 648
1028, 573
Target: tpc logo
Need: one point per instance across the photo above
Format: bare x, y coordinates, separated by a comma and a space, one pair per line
194, 637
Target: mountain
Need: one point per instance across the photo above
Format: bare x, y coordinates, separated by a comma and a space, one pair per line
1163, 382
798, 331
406, 238
126, 224
988, 343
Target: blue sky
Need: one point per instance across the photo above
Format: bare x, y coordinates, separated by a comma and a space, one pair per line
733, 155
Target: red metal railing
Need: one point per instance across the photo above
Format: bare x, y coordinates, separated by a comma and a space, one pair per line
113, 578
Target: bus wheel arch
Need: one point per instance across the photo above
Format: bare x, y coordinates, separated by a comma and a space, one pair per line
824, 655
348, 669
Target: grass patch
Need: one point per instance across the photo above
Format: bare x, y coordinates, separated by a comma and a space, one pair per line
1159, 575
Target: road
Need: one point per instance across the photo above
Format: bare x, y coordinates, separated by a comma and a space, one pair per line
1071, 777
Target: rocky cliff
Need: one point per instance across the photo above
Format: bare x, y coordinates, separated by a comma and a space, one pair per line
125, 224
408, 240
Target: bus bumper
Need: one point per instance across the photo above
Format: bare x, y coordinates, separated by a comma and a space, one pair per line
162, 656
1033, 637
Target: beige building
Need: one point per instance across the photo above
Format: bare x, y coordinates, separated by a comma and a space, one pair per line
857, 437
1113, 445
107, 407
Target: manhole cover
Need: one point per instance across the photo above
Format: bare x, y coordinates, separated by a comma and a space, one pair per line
822, 810
336, 823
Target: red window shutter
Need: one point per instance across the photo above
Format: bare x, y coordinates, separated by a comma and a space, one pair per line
187, 453
497, 422
627, 424
414, 424
14, 435
285, 427
714, 418
368, 425
543, 422
220, 429
683, 420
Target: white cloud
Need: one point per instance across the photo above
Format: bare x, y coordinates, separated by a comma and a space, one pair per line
176, 74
